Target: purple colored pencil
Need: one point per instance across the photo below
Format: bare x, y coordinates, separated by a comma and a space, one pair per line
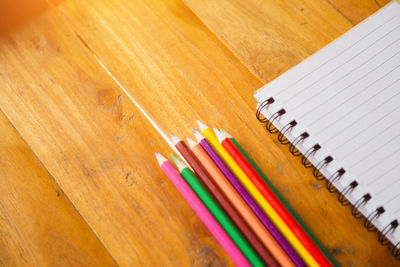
251, 203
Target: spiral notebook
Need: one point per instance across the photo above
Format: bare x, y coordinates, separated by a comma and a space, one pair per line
339, 111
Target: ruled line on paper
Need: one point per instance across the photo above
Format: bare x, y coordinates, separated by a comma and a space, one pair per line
341, 52
349, 60
340, 78
373, 138
365, 115
391, 184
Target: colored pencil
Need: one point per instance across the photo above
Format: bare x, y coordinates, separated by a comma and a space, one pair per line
266, 191
217, 194
237, 202
265, 205
283, 251
310, 234
218, 213
201, 211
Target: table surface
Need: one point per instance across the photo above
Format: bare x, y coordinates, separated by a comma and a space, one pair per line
80, 184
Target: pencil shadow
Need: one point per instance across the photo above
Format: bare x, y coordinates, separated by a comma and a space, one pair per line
16, 13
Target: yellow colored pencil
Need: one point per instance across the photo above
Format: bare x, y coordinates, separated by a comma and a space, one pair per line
258, 197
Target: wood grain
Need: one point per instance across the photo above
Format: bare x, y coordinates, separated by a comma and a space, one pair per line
269, 37
38, 224
98, 147
356, 11
180, 72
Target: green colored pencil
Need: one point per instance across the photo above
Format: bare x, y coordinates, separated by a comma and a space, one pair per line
218, 213
284, 202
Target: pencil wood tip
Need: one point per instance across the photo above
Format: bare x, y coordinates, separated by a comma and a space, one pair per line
202, 126
175, 139
179, 163
160, 158
225, 133
219, 135
190, 142
198, 135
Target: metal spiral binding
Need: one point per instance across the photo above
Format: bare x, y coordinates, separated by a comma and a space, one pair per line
342, 196
335, 176
304, 160
388, 229
375, 214
361, 201
292, 148
281, 136
263, 105
396, 251
269, 123
317, 173
391, 227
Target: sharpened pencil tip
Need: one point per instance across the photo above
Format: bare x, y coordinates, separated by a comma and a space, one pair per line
174, 158
225, 133
179, 163
175, 139
202, 126
219, 135
198, 135
160, 158
191, 143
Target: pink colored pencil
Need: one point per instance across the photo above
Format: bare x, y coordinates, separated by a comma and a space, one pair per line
202, 212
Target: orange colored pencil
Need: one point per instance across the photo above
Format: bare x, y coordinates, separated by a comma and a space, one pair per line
239, 204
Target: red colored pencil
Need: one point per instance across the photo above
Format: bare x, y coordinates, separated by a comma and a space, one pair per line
257, 180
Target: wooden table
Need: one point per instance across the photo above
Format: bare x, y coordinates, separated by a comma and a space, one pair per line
79, 182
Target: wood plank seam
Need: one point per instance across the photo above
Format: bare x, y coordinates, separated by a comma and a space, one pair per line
56, 183
15, 143
341, 13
